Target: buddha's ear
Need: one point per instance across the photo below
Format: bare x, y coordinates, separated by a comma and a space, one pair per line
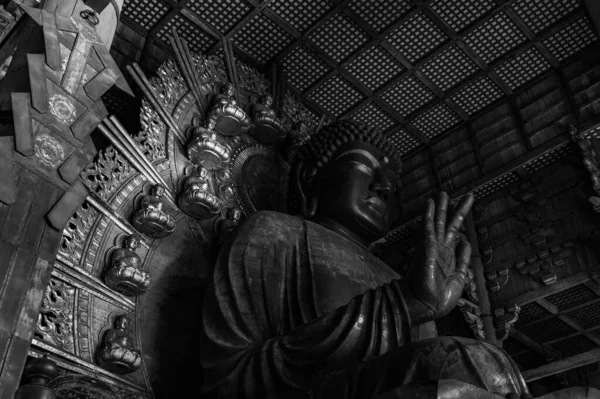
305, 181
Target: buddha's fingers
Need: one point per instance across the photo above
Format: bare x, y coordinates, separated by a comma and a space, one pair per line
463, 256
441, 212
428, 220
457, 220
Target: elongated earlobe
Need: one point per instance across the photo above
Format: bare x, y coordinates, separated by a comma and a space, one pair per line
305, 189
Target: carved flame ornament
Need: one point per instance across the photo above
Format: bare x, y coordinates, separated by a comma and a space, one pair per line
55, 320
125, 274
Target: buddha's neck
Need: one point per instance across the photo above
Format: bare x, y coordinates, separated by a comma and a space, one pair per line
341, 230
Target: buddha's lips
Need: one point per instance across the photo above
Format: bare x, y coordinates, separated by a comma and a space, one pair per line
376, 203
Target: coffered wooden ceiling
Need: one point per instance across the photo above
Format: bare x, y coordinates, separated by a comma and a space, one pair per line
414, 68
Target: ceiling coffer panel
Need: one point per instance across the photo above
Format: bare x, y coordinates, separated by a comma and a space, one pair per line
301, 14
303, 68
417, 37
373, 115
404, 141
336, 95
460, 14
416, 69
339, 37
408, 95
198, 41
146, 13
222, 15
380, 14
262, 38
375, 59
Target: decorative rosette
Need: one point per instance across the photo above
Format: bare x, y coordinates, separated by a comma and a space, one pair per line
228, 119
205, 150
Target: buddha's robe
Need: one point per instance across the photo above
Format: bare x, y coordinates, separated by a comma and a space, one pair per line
296, 309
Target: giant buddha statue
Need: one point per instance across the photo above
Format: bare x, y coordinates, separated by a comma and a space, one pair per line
300, 308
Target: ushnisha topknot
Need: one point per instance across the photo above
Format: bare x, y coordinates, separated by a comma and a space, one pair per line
321, 147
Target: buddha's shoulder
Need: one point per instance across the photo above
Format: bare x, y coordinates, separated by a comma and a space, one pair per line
272, 223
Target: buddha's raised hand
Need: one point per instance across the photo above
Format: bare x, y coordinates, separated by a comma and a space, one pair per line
437, 281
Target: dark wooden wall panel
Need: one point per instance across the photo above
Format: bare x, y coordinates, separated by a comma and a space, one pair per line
497, 136
545, 110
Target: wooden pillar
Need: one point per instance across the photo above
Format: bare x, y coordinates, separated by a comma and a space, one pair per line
35, 198
484, 300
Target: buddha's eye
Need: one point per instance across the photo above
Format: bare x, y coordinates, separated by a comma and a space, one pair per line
361, 166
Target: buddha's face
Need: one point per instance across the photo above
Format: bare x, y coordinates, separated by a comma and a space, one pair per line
133, 242
268, 101
159, 190
229, 90
356, 190
123, 323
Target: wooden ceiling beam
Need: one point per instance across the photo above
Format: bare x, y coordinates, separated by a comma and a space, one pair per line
547, 352
506, 168
476, 147
563, 365
568, 321
570, 97
519, 124
326, 17
548, 290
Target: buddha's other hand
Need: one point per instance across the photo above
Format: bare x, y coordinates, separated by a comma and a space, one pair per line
437, 281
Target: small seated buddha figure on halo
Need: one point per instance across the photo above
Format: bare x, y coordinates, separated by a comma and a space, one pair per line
198, 200
117, 353
207, 150
227, 117
299, 308
268, 129
125, 274
151, 219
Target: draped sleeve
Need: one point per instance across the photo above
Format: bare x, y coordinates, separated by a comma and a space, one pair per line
264, 333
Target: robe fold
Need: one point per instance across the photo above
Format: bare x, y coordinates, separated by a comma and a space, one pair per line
296, 310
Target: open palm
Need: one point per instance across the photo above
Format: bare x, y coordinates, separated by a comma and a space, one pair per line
439, 279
